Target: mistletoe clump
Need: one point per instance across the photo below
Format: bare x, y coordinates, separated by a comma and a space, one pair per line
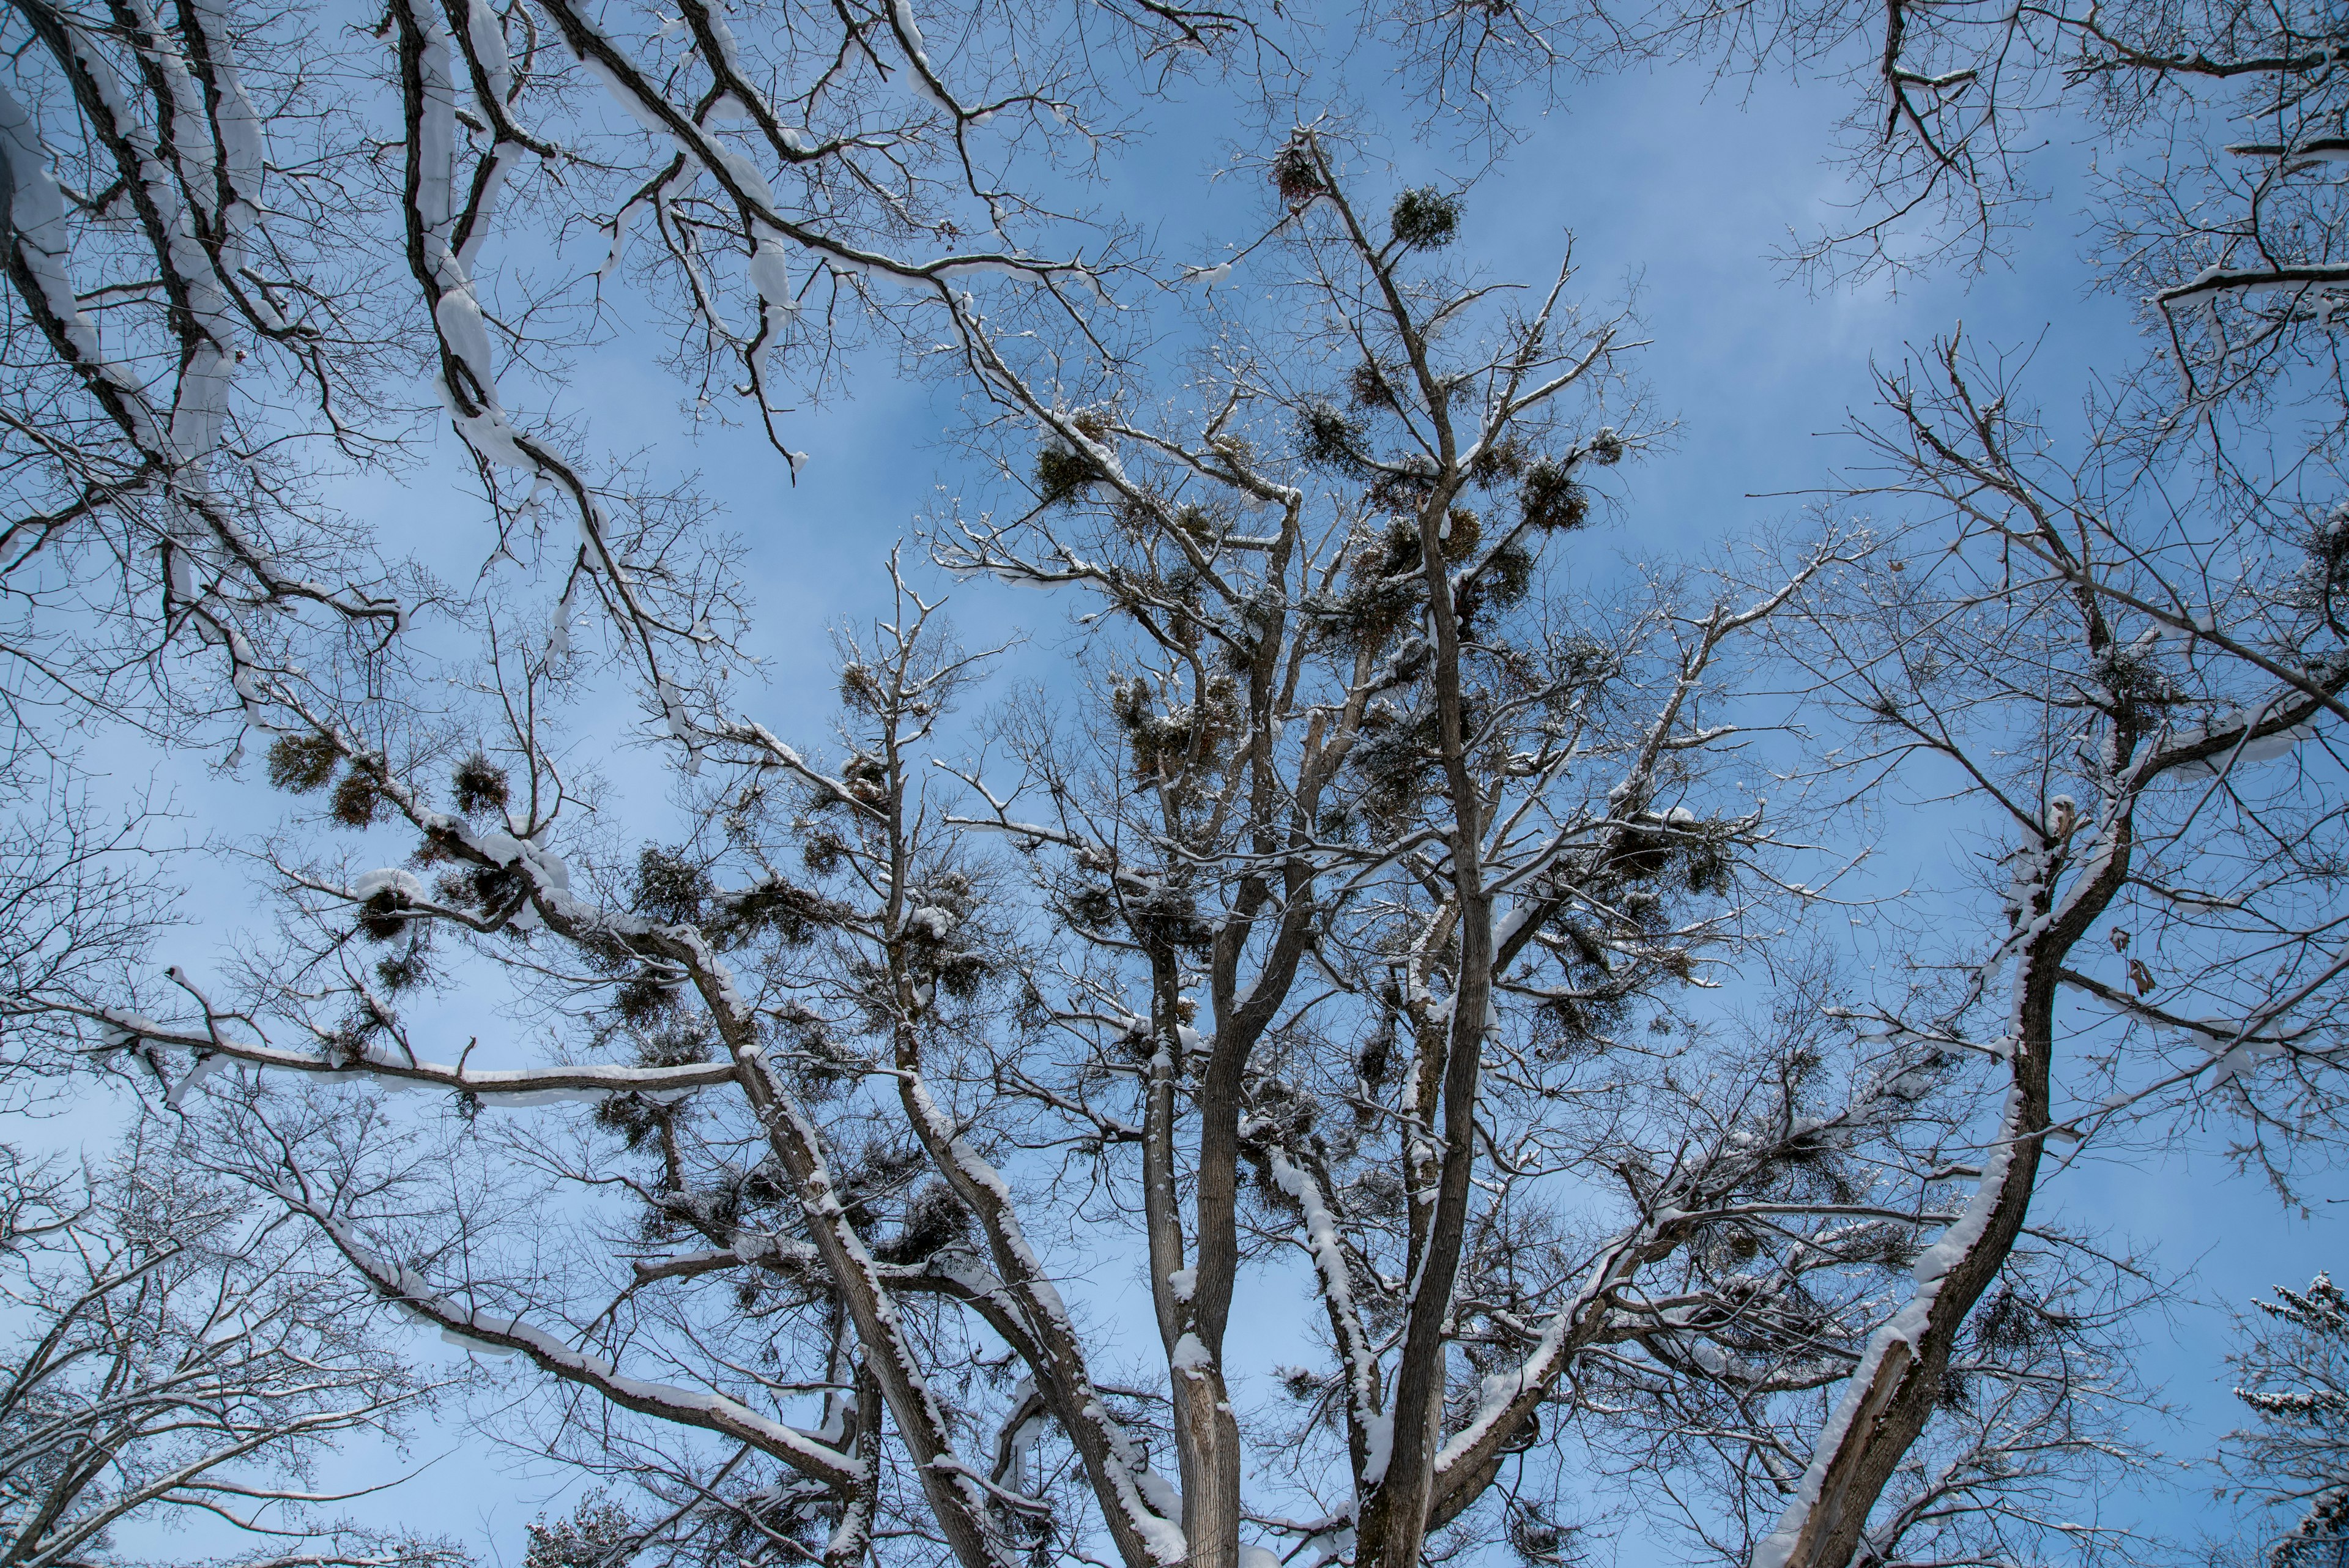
1425, 219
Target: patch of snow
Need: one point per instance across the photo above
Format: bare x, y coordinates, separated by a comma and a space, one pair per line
474, 1346
389, 879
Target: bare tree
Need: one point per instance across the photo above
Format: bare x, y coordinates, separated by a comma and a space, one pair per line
2296, 1382
1359, 928
254, 253
178, 1357
1351, 931
1466, 821
2137, 708
2214, 133
2130, 660
2217, 206
236, 239
80, 899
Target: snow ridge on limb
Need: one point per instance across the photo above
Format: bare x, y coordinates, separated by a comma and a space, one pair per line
1142, 1532
1891, 1395
902, 685
37, 254
1869, 1429
2167, 706
1364, 1382
443, 238
404, 1288
198, 254
126, 1031
955, 1491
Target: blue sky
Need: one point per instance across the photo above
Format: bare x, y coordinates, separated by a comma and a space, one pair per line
1676, 190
